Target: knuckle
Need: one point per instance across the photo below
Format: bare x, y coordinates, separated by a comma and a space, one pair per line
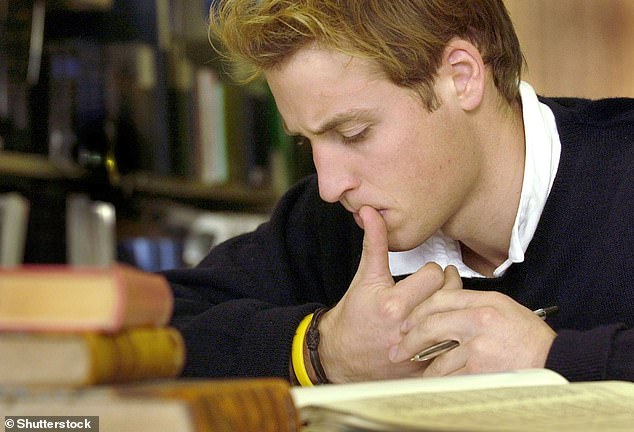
486, 316
489, 314
392, 308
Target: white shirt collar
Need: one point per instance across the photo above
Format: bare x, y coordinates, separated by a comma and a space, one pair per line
543, 149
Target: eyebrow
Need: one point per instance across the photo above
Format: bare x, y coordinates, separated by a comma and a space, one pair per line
336, 120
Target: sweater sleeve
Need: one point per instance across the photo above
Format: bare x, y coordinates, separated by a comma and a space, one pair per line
238, 338
239, 308
603, 353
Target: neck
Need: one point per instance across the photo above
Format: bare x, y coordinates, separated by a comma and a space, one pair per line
484, 227
478, 262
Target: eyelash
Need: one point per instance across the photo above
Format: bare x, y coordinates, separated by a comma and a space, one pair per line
355, 138
302, 140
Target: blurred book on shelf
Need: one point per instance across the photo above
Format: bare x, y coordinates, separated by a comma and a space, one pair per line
21, 26
211, 228
182, 111
135, 104
210, 135
186, 236
14, 216
90, 231
151, 253
81, 5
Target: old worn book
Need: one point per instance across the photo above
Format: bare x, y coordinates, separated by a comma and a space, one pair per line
245, 405
518, 401
65, 298
88, 358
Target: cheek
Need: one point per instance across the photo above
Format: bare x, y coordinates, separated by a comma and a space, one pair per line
428, 172
420, 162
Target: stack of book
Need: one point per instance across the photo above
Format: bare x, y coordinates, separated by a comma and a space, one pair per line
82, 326
93, 346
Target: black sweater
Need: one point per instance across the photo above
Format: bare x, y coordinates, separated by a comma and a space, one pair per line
238, 310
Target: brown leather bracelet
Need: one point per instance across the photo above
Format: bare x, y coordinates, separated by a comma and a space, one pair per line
312, 342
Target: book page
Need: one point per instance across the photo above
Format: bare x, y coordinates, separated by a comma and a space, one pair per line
597, 406
338, 392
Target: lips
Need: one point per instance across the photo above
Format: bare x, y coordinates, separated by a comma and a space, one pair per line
354, 209
359, 221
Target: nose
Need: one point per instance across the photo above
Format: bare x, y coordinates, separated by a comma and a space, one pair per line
335, 172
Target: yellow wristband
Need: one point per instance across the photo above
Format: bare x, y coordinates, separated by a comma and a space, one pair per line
297, 352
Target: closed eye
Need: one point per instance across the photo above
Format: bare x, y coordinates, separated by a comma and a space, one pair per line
356, 138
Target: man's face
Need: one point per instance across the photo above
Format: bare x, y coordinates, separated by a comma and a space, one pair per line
375, 144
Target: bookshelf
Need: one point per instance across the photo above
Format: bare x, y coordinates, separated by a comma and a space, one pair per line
233, 196
36, 166
123, 109
24, 167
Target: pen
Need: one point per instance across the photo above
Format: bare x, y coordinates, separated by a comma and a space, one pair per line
544, 313
447, 345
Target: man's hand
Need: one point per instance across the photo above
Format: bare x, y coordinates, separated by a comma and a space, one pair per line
357, 333
495, 333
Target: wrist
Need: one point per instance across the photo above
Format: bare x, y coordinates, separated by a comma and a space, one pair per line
306, 367
312, 340
332, 358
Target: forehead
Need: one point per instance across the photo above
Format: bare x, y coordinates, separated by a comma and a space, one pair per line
318, 63
315, 82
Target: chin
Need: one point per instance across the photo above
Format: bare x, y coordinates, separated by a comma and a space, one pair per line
399, 241
399, 245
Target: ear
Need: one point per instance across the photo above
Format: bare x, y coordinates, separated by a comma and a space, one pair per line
465, 67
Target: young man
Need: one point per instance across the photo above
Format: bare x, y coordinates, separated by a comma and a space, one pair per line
450, 203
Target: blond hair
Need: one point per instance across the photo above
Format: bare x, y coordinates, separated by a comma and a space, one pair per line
406, 38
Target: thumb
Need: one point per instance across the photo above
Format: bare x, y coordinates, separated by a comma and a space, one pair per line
374, 257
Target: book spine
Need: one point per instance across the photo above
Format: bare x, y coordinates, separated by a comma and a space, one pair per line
181, 101
144, 298
237, 133
261, 407
246, 405
14, 211
135, 354
210, 131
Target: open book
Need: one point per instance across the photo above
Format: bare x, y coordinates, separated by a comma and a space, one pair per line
522, 401
529, 400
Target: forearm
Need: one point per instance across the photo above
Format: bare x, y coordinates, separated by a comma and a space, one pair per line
239, 338
602, 353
